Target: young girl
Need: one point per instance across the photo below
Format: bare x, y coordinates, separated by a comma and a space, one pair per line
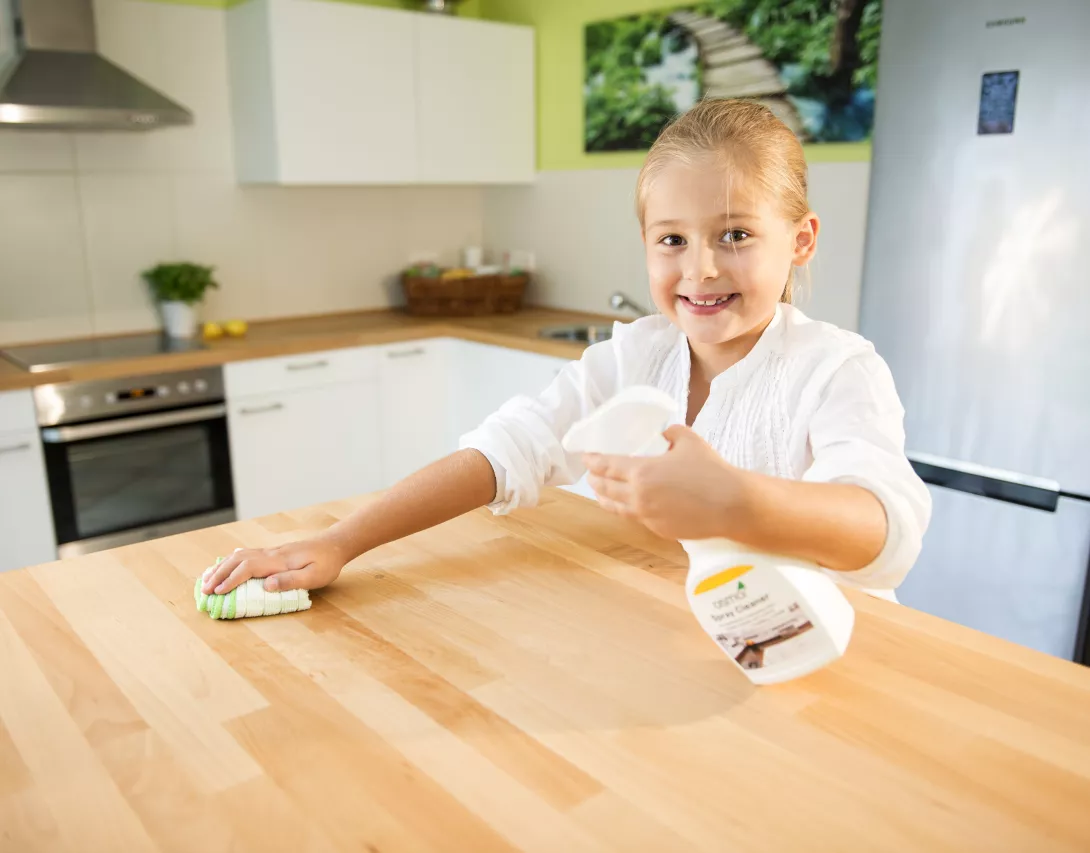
793, 437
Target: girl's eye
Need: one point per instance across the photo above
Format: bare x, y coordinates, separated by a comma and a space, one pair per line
736, 235
672, 240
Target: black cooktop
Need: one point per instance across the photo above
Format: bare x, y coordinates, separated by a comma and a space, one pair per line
38, 358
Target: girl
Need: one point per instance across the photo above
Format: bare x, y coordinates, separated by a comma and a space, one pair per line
793, 437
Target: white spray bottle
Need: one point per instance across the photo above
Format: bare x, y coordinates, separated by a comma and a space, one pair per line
776, 617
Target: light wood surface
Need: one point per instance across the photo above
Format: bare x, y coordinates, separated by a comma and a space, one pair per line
331, 331
530, 683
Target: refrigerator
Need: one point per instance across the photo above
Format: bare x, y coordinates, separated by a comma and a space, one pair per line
976, 291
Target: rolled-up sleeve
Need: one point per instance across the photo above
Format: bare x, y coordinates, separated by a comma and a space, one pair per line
857, 436
522, 440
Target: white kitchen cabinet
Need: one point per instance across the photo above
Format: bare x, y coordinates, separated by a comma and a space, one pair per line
322, 93
485, 377
26, 520
413, 401
17, 411
337, 93
302, 445
475, 95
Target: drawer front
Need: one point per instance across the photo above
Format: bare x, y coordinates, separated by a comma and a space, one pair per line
295, 372
17, 410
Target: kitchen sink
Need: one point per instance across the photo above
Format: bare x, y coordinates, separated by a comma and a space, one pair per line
578, 334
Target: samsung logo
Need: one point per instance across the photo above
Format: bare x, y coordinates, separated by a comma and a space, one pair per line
1005, 22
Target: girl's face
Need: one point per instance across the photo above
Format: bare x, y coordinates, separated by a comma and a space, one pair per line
718, 278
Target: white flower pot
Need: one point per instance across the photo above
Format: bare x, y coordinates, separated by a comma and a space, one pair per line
179, 319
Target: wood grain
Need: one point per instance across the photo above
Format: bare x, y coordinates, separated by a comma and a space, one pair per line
531, 683
299, 335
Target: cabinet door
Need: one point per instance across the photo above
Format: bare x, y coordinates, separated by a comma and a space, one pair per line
486, 377
26, 521
414, 403
304, 447
344, 84
475, 94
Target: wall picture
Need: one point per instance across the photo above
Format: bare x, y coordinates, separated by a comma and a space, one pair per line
813, 62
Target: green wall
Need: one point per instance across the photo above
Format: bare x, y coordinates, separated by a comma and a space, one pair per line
559, 25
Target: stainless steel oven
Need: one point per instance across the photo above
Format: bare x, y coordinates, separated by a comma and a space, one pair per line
136, 458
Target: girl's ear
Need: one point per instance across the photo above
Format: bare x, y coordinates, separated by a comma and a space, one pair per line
806, 238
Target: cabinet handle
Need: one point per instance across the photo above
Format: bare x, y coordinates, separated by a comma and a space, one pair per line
261, 410
308, 365
15, 448
405, 353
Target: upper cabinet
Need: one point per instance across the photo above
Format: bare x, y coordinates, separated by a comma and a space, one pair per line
340, 93
475, 101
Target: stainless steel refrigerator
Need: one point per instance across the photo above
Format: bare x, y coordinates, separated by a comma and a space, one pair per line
976, 291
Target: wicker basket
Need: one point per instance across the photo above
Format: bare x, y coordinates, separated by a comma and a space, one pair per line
464, 297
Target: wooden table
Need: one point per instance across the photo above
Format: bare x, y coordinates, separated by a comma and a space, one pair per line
532, 683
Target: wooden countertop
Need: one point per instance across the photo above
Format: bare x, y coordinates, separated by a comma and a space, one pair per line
529, 683
332, 331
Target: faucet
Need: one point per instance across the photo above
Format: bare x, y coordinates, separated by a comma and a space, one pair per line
618, 301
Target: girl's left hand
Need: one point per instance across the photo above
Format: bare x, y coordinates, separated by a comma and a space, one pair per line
686, 493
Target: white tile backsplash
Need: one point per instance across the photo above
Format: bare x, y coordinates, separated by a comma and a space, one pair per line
81, 215
215, 221
129, 223
43, 291
36, 151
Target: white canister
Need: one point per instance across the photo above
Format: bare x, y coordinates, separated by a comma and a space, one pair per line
179, 319
472, 257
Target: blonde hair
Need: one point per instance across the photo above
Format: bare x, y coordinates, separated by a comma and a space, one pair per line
743, 133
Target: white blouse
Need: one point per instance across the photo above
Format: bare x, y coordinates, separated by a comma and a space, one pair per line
809, 402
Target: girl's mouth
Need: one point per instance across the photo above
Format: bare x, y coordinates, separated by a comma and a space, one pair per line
711, 303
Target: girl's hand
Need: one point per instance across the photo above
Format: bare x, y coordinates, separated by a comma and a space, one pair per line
686, 493
310, 564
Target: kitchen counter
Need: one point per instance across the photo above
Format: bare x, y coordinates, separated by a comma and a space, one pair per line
333, 331
527, 683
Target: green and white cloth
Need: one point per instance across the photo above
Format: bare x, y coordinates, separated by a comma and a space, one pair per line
248, 599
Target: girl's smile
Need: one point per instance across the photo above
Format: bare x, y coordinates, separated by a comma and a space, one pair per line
706, 304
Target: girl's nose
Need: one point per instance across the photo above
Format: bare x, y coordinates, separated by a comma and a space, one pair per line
700, 265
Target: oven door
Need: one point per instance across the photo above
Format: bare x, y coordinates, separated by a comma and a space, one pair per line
130, 479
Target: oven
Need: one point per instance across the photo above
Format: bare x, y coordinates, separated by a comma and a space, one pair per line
136, 458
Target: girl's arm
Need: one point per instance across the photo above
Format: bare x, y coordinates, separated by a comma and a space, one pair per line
504, 463
443, 490
860, 509
691, 492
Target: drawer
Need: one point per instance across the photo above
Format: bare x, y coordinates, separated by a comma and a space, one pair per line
308, 370
17, 410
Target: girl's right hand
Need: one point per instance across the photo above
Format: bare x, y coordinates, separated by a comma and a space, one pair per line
309, 564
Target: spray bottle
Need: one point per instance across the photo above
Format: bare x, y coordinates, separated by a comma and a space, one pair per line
776, 617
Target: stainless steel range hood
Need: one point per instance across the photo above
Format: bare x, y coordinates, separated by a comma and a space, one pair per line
52, 77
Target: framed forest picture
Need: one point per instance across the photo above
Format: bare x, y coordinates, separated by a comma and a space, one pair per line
812, 62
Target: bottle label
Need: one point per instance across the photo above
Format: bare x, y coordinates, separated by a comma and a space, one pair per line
755, 617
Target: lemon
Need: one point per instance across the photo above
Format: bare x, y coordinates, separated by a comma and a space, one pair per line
236, 328
212, 331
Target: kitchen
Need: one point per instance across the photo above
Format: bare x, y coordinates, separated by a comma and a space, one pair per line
320, 164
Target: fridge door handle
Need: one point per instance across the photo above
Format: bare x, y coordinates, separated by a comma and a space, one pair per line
995, 483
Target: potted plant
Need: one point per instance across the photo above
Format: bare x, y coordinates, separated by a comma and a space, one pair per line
178, 287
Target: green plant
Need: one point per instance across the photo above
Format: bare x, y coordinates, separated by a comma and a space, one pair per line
183, 282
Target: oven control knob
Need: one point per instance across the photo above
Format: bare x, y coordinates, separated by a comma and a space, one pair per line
162, 391
183, 387
111, 397
86, 400
200, 386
